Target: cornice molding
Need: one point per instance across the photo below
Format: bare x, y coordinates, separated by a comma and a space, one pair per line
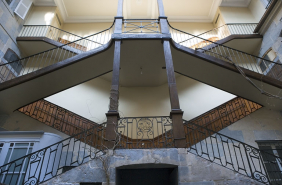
44, 3
235, 3
127, 13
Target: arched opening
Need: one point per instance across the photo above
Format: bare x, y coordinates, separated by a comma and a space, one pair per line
147, 174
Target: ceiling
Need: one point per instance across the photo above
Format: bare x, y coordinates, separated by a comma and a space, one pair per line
104, 10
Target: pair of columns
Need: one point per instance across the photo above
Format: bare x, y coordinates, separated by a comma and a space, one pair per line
175, 114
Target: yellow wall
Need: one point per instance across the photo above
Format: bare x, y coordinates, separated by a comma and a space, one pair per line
257, 9
41, 16
193, 28
91, 99
237, 15
85, 29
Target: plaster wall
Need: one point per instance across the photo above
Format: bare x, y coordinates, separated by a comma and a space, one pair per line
85, 29
41, 15
17, 121
193, 28
91, 99
237, 15
257, 9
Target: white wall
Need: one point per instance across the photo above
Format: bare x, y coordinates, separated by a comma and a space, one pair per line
237, 15
91, 99
193, 28
85, 29
257, 9
41, 16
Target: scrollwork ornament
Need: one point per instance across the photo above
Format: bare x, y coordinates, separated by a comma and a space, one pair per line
145, 125
31, 181
260, 177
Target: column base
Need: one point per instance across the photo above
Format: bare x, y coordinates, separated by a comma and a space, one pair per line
111, 133
178, 128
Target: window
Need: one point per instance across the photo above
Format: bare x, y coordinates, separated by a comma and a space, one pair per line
272, 154
10, 56
10, 152
270, 55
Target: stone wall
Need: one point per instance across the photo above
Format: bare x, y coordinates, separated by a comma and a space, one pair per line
192, 170
10, 27
271, 37
264, 124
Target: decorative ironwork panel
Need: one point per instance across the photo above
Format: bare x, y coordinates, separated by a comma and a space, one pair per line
54, 160
149, 132
57, 117
141, 26
230, 153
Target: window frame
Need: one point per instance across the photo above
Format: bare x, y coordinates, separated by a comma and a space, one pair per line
268, 67
10, 67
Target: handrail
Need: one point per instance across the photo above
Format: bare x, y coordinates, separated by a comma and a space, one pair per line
55, 28
230, 153
61, 45
236, 57
48, 162
223, 45
46, 58
25, 32
137, 26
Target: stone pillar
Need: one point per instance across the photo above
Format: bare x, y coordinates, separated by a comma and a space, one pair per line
176, 113
113, 114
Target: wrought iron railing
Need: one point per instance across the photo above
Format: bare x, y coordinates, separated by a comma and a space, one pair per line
57, 117
232, 154
50, 32
46, 58
226, 30
141, 26
268, 4
145, 132
226, 114
54, 160
219, 51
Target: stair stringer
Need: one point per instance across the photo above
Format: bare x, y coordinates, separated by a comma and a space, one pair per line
191, 168
225, 76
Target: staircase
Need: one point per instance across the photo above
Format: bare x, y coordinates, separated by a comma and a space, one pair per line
57, 117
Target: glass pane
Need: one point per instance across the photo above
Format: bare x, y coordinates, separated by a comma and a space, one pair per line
11, 179
8, 156
18, 152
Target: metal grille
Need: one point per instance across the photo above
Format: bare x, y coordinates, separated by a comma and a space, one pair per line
141, 26
145, 132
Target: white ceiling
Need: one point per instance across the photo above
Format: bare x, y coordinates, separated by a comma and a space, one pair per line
104, 10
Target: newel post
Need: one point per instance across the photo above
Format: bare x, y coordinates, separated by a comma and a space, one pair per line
176, 113
113, 114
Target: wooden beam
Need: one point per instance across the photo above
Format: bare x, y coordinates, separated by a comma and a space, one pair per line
113, 115
119, 18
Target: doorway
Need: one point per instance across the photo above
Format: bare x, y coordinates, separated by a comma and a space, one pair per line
147, 174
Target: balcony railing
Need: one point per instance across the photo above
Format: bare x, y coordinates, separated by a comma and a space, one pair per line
54, 160
238, 58
226, 30
51, 32
46, 58
146, 132
149, 132
233, 154
135, 26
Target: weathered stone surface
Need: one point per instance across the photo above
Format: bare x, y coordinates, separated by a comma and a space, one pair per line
192, 170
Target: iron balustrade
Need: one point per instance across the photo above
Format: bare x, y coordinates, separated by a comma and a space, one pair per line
50, 32
226, 114
232, 154
145, 132
57, 117
46, 58
268, 4
141, 26
225, 53
54, 160
226, 30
